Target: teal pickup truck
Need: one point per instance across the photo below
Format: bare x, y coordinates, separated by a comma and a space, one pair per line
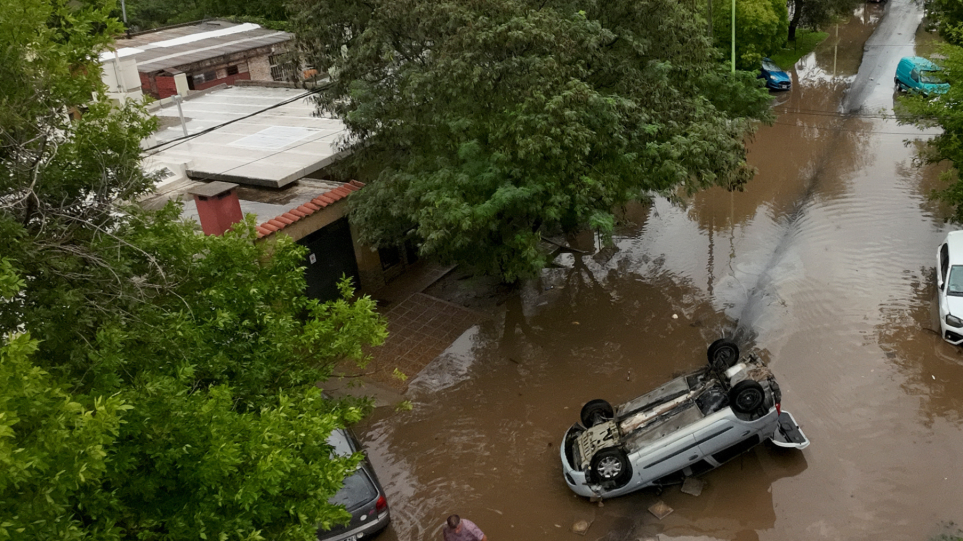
918, 75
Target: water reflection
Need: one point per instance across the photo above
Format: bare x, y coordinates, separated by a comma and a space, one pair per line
719, 513
931, 368
486, 446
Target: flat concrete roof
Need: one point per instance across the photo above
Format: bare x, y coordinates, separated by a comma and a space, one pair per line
183, 45
271, 149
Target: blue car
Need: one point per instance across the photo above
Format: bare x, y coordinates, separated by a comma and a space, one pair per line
920, 76
775, 77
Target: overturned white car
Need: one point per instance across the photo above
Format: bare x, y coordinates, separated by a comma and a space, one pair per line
684, 428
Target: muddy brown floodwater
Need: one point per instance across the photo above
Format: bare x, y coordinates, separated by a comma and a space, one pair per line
825, 264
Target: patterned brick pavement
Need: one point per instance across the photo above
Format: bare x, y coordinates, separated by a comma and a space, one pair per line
419, 328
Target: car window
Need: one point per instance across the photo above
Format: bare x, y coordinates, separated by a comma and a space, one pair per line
769, 66
944, 264
357, 490
915, 74
341, 441
955, 281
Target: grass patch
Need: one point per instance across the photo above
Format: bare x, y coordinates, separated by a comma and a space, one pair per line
806, 42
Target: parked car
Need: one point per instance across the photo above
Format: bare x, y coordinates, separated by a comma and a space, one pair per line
919, 75
361, 495
776, 78
686, 427
949, 283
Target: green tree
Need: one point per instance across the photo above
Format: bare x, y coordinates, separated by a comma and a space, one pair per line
947, 17
815, 13
147, 14
154, 383
944, 112
761, 27
494, 123
51, 447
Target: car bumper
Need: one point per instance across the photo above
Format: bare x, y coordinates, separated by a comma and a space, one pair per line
952, 334
575, 479
361, 532
788, 434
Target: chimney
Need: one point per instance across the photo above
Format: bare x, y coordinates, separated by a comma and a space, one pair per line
217, 206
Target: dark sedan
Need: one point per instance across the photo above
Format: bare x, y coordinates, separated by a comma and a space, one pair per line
362, 496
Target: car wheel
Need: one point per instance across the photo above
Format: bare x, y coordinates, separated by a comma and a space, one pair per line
746, 396
596, 412
612, 464
723, 354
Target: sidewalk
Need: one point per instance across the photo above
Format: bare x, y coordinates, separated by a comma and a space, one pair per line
420, 327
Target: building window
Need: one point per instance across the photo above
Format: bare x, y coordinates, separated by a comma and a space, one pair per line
280, 67
231, 70
201, 78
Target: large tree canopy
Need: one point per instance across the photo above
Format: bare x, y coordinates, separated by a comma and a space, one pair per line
493, 123
944, 112
947, 17
815, 13
155, 383
761, 27
145, 14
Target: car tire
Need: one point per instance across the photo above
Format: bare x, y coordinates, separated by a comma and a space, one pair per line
723, 354
596, 412
746, 396
612, 465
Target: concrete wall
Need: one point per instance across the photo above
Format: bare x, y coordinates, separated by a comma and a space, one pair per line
260, 68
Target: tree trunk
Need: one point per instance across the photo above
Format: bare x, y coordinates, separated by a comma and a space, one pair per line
710, 20
797, 9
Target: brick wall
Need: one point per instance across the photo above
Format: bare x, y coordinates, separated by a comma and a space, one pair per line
166, 87
229, 80
146, 85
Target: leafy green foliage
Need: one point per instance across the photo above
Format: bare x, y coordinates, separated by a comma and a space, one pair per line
761, 29
947, 17
155, 384
813, 14
146, 14
52, 448
494, 123
942, 111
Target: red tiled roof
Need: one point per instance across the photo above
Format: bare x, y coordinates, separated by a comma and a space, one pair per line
280, 222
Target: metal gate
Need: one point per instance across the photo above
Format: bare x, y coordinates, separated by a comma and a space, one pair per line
330, 256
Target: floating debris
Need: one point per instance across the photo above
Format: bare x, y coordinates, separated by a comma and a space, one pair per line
693, 486
581, 527
660, 510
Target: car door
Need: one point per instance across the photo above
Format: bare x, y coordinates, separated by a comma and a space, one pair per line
667, 459
718, 436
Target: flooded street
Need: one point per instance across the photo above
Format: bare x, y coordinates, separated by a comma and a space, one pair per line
825, 264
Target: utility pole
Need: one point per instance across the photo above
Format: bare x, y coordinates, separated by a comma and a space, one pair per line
733, 36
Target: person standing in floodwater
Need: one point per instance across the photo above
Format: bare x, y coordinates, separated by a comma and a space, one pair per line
462, 529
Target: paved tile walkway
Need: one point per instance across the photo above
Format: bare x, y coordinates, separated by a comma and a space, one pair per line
420, 327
